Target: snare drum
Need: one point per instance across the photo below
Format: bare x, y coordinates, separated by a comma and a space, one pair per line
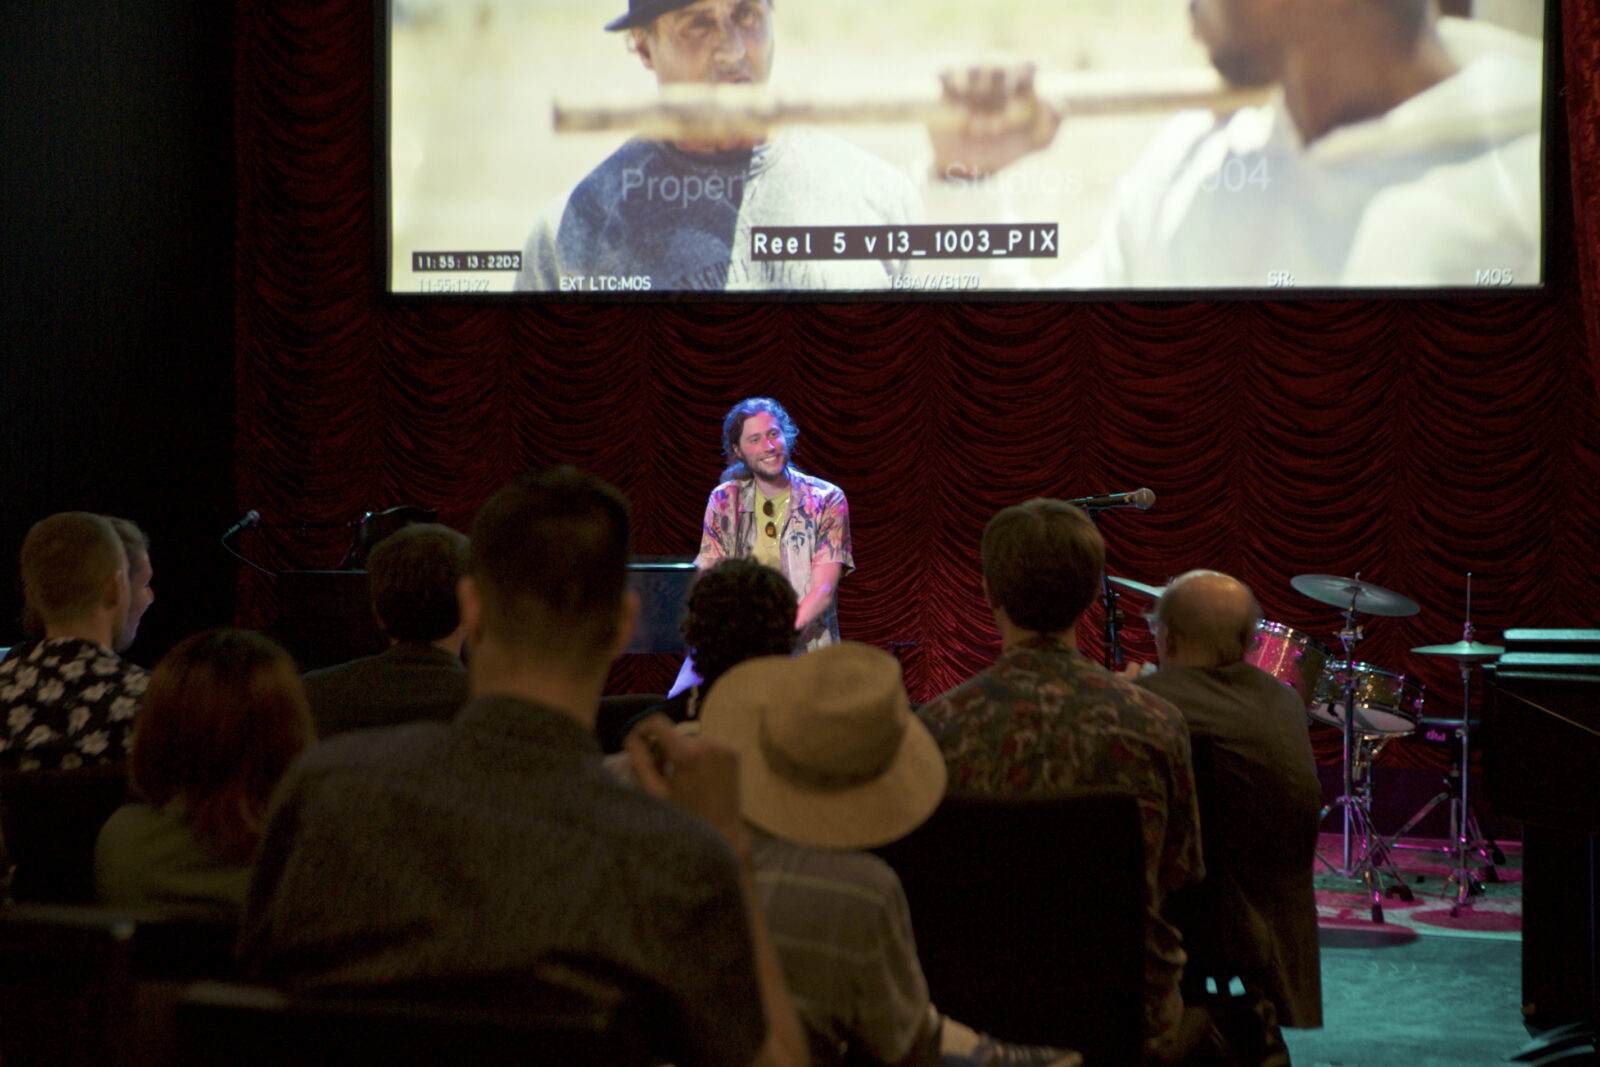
1386, 704
1292, 656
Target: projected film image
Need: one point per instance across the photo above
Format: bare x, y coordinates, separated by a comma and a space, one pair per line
638, 148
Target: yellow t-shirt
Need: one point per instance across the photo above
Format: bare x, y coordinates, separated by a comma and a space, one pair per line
766, 547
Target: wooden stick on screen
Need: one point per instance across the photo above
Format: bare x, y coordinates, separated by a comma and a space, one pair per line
685, 111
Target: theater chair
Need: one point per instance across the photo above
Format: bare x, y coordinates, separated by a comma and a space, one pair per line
49, 821
616, 712
83, 985
1029, 917
570, 1014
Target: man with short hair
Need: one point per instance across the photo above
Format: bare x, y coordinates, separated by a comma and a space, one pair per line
414, 572
1255, 917
1045, 719
136, 546
141, 576
69, 699
484, 848
679, 215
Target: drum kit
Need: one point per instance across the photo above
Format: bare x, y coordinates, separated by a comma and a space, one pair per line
1372, 706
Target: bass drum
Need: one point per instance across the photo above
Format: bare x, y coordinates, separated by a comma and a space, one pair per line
1386, 704
1292, 656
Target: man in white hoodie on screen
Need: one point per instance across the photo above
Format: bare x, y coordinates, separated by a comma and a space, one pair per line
1396, 148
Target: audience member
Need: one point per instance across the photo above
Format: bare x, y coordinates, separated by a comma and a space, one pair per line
737, 610
136, 546
1255, 917
832, 762
420, 675
69, 698
483, 847
219, 724
1044, 718
141, 593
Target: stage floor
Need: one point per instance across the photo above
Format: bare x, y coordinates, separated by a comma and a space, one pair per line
1422, 988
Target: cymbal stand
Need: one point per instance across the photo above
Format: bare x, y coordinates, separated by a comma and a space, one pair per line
1466, 830
1111, 631
1361, 863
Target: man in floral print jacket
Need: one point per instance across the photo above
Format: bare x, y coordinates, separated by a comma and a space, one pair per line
69, 700
1045, 719
767, 511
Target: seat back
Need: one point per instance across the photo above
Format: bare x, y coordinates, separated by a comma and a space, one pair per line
557, 1014
88, 985
617, 711
1029, 917
49, 820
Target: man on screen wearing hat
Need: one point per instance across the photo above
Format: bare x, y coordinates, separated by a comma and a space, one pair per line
678, 215
831, 762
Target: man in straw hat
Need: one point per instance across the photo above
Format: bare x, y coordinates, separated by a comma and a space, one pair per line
1045, 719
832, 762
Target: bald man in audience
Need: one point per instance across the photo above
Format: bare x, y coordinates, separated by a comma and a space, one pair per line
69, 699
1255, 917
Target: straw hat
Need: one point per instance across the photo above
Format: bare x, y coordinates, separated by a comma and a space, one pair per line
830, 754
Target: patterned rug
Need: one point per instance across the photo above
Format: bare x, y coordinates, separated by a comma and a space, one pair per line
1344, 909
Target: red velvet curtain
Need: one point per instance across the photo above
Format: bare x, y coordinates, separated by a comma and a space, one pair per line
1412, 441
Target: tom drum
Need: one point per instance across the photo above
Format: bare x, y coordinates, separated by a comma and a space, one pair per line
1386, 704
1292, 656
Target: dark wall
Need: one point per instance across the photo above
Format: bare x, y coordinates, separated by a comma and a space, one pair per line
116, 287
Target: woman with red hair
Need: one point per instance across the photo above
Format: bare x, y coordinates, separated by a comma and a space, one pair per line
223, 717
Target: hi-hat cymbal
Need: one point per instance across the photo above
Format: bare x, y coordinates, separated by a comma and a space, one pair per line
1364, 597
1463, 650
1152, 591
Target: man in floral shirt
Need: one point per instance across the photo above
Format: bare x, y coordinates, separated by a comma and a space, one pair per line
69, 699
768, 511
1045, 719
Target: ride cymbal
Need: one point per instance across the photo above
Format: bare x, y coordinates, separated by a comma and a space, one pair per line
1363, 597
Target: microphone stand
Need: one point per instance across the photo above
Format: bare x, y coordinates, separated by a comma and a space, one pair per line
258, 524
1111, 625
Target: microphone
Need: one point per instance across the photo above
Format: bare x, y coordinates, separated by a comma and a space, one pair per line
251, 517
1137, 498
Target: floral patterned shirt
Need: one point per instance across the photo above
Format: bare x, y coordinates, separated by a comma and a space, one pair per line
816, 529
67, 703
1043, 718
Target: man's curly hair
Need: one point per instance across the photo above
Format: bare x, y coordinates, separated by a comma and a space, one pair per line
739, 609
